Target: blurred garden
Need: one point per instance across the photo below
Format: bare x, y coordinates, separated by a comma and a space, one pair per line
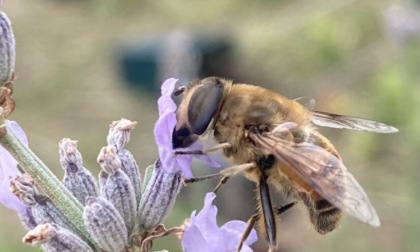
82, 64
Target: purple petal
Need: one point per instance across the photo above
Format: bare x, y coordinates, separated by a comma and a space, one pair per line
18, 131
231, 233
193, 239
205, 158
236, 228
163, 135
165, 102
163, 130
203, 228
206, 218
184, 165
8, 170
204, 234
163, 139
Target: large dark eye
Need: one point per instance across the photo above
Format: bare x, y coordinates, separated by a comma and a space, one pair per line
203, 105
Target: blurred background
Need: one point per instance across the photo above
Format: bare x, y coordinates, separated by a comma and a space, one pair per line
82, 64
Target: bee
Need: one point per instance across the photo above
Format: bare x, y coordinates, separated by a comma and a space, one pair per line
273, 140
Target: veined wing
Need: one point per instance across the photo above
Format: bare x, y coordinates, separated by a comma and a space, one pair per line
323, 172
330, 120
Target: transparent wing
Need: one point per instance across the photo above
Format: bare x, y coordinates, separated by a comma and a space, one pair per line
324, 172
307, 102
330, 120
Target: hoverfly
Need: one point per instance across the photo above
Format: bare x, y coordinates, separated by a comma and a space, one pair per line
273, 140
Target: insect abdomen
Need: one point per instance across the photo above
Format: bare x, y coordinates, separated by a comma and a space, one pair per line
324, 216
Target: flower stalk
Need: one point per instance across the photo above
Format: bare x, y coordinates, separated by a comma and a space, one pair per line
44, 179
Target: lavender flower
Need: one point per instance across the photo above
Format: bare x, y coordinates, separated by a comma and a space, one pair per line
119, 136
165, 180
118, 188
77, 178
8, 169
204, 235
163, 135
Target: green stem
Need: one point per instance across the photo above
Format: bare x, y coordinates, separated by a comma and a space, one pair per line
45, 180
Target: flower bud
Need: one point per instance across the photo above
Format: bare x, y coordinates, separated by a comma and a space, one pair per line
43, 210
55, 238
129, 166
147, 175
158, 197
117, 187
7, 49
27, 218
105, 224
76, 177
119, 133
119, 136
102, 177
23, 187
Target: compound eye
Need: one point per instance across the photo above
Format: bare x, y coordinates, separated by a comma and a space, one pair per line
204, 104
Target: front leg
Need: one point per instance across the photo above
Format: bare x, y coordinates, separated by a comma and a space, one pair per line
225, 174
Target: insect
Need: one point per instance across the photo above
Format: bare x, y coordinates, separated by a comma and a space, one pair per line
273, 140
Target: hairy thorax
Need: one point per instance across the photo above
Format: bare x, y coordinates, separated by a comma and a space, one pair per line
249, 109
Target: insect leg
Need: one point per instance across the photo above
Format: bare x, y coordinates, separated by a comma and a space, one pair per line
250, 225
221, 182
284, 208
254, 218
227, 172
202, 178
267, 212
204, 151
